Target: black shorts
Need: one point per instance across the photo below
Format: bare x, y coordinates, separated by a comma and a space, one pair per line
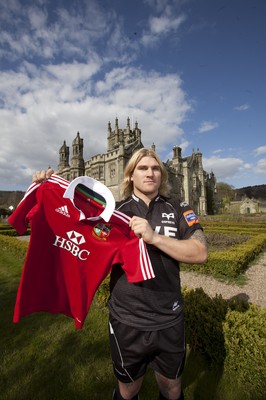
133, 350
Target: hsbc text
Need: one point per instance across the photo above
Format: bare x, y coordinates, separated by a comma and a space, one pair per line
71, 247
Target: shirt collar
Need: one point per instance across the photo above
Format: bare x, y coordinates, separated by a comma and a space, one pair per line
138, 199
97, 187
143, 204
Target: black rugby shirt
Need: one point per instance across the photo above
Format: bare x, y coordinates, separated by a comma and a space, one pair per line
157, 303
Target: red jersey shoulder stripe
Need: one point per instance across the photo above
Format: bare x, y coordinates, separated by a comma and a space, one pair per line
123, 217
53, 179
59, 181
29, 191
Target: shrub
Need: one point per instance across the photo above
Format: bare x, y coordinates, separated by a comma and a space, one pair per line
232, 262
4, 227
245, 343
203, 323
12, 232
220, 241
103, 292
14, 246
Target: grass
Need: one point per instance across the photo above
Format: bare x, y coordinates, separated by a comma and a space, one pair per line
45, 358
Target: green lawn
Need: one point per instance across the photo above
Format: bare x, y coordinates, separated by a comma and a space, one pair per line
44, 357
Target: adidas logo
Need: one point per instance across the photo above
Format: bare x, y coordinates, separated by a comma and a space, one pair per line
63, 210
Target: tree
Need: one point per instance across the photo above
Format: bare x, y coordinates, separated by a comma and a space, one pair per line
225, 194
225, 190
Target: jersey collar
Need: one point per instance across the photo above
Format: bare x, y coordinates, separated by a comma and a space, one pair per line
143, 204
138, 199
97, 187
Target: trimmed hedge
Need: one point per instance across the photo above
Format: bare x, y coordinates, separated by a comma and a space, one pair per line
14, 246
231, 333
203, 323
12, 232
4, 227
204, 317
245, 343
232, 262
231, 225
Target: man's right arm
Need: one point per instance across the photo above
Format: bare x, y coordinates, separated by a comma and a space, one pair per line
192, 251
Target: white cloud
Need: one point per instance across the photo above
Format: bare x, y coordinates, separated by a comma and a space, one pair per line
248, 166
242, 107
166, 21
223, 168
38, 17
75, 31
44, 107
75, 73
233, 170
54, 83
164, 24
261, 166
260, 150
207, 126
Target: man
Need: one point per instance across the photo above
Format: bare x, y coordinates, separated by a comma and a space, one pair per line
146, 324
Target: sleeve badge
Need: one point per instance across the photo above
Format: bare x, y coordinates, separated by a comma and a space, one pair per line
190, 217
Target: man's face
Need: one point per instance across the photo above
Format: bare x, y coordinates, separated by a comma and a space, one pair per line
146, 177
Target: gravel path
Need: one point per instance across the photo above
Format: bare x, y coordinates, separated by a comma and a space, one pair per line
254, 291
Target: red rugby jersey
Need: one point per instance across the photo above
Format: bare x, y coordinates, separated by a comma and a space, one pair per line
72, 251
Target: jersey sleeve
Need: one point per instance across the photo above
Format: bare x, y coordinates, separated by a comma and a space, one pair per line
19, 218
136, 261
135, 258
188, 221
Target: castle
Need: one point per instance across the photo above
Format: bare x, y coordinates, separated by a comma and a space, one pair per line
186, 175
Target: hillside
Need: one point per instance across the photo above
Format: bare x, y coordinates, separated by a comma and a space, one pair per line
257, 192
10, 198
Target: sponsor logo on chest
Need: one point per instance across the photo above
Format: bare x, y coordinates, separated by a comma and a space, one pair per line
72, 244
165, 228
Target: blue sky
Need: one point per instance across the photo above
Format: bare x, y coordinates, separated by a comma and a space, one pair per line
190, 72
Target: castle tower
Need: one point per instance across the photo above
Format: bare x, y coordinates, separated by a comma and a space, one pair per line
201, 177
177, 181
113, 136
121, 137
177, 159
77, 160
137, 133
63, 157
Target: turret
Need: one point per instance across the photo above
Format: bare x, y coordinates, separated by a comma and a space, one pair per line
63, 157
77, 161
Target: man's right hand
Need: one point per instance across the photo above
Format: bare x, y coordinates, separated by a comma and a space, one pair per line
42, 176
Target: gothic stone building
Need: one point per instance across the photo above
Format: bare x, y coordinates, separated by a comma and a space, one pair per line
186, 175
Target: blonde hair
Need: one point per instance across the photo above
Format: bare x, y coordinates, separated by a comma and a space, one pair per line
127, 184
